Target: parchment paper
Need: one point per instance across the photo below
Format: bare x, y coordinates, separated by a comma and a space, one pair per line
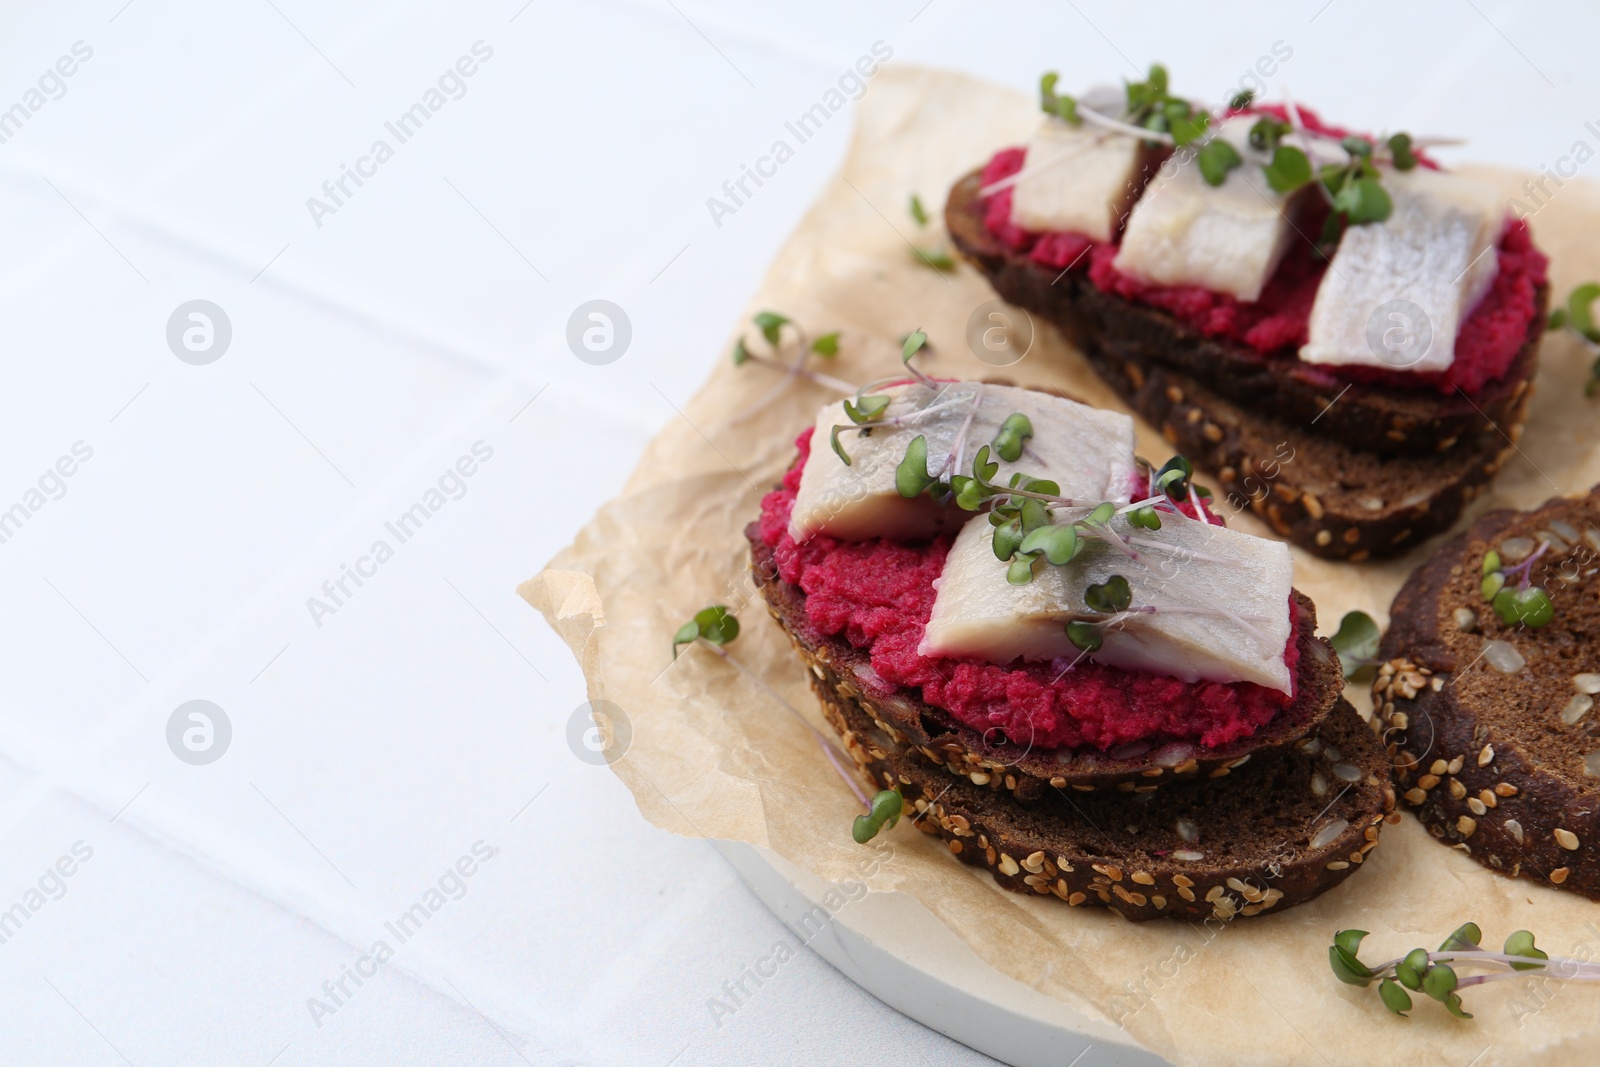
714, 755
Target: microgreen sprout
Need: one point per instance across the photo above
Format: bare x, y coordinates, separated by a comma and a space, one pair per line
937, 258
882, 811
1356, 642
713, 628
714, 624
783, 337
1435, 974
1522, 603
1578, 316
1353, 188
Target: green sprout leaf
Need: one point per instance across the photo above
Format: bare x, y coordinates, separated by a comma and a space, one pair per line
913, 344
1492, 584
911, 477
970, 494
838, 445
1579, 310
685, 636
1530, 606
1465, 938
1357, 146
1400, 151
1410, 970
1266, 132
1013, 436
1058, 543
1109, 597
771, 324
1395, 999
1173, 478
1241, 99
1356, 641
1453, 1003
1289, 169
934, 258
717, 624
868, 409
1008, 539
1491, 563
1521, 944
1186, 125
741, 354
1350, 940
1347, 968
982, 468
1558, 319
884, 811
918, 213
827, 344
1363, 200
1145, 518
1021, 570
1085, 635
1058, 104
1215, 159
1034, 515
886, 807
1101, 514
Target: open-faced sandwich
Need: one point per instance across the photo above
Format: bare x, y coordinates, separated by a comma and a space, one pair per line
1061, 657
1486, 687
1258, 283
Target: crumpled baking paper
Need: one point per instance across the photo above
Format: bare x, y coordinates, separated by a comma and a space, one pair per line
713, 752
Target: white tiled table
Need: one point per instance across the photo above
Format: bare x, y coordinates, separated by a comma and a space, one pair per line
374, 745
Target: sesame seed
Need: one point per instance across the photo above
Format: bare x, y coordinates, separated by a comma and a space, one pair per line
1476, 806
1567, 840
1506, 789
1213, 893
1559, 875
1488, 798
1428, 781
1456, 765
1440, 767
1467, 825
1186, 893
1008, 866
1143, 878
979, 778
1182, 881
1077, 898
1159, 901
955, 847
1486, 756
1337, 865
1457, 790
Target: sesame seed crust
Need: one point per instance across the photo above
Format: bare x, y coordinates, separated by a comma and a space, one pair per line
1087, 861
1502, 794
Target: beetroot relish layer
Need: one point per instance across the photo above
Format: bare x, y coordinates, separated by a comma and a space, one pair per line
1275, 325
878, 595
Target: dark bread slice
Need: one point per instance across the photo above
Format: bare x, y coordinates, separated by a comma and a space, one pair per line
1368, 417
1275, 834
1485, 758
1014, 768
1324, 496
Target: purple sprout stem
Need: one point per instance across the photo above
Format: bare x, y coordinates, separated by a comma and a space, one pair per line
1524, 570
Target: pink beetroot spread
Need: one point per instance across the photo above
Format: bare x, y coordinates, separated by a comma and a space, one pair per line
1275, 325
878, 595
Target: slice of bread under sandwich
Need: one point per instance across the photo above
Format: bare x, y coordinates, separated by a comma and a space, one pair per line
1489, 724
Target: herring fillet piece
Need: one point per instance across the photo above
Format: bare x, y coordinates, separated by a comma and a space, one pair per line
978, 614
1080, 179
1436, 251
1227, 238
1085, 450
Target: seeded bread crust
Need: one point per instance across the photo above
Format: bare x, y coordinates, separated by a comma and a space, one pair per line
1369, 417
1483, 758
1384, 468
1314, 491
1015, 769
1249, 842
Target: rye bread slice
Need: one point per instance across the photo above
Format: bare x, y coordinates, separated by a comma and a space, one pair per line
1328, 498
1030, 774
1273, 834
1369, 417
1486, 759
